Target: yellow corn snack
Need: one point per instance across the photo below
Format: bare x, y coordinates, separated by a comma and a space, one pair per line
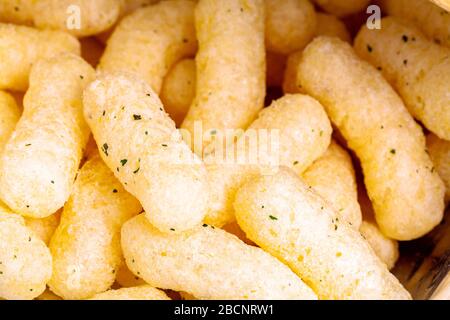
151, 39
406, 193
25, 261
327, 25
208, 263
291, 222
290, 25
140, 144
21, 47
432, 20
333, 178
44, 228
304, 133
86, 245
17, 11
417, 68
178, 89
9, 115
230, 82
439, 151
40, 160
143, 292
342, 8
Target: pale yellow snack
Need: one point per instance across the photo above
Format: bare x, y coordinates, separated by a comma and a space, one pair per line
40, 160
443, 4
79, 17
301, 133
178, 89
431, 19
139, 142
144, 292
21, 47
385, 248
230, 63
284, 217
275, 69
290, 25
342, 8
44, 228
333, 178
327, 25
126, 279
439, 151
406, 193
86, 245
17, 11
151, 39
208, 263
418, 69
25, 261
9, 115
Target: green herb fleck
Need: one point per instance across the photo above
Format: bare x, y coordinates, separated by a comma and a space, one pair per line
393, 151
273, 217
137, 117
137, 170
114, 190
172, 229
295, 163
105, 148
123, 162
405, 38
28, 144
369, 48
205, 225
164, 145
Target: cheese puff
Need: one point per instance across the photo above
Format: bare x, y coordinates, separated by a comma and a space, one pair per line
178, 89
418, 69
290, 25
140, 143
94, 16
332, 176
439, 151
407, 195
150, 40
342, 8
86, 245
327, 25
432, 20
304, 134
41, 158
9, 116
144, 292
230, 85
25, 261
208, 263
21, 47
291, 222
44, 228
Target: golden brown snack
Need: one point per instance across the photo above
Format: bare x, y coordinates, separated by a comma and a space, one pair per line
439, 151
342, 8
208, 263
44, 228
144, 292
333, 178
17, 11
40, 160
230, 67
164, 32
178, 89
283, 216
443, 4
417, 68
431, 19
140, 144
327, 25
406, 193
21, 47
79, 17
298, 131
25, 261
86, 245
290, 25
9, 115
